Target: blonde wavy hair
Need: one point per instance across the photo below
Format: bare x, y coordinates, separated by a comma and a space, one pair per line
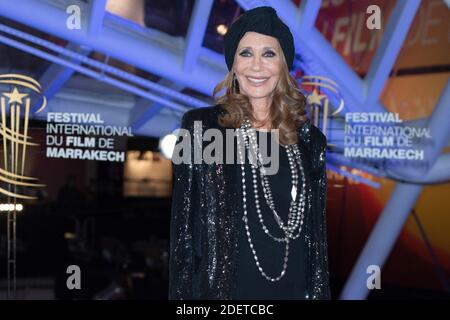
287, 111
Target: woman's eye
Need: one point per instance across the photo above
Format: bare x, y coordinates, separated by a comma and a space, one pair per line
245, 54
269, 54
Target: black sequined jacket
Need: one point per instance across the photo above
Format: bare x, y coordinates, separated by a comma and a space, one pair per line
206, 202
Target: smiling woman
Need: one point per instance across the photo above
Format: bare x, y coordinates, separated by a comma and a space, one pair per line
259, 52
237, 231
257, 67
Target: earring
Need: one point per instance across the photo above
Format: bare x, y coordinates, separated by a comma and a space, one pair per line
235, 83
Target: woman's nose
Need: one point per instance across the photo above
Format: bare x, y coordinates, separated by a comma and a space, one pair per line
256, 63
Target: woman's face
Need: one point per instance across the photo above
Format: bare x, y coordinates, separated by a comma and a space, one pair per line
257, 65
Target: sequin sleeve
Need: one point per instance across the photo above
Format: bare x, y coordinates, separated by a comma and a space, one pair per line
181, 258
320, 273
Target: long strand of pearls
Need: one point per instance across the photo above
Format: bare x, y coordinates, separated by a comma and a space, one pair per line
296, 212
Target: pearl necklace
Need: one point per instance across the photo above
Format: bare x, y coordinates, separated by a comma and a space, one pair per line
296, 213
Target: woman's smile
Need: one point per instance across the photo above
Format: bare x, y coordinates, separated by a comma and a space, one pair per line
257, 81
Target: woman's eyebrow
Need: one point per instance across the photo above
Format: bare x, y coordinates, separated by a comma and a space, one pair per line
265, 48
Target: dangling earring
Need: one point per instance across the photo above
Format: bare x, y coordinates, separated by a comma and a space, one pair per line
235, 83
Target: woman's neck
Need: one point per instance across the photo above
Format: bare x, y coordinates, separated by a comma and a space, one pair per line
261, 112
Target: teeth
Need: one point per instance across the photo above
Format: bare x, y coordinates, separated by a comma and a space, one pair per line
256, 80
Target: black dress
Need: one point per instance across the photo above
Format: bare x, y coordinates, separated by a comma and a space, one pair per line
251, 284
206, 218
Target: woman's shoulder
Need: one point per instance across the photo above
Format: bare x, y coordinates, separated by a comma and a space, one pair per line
312, 134
315, 143
318, 136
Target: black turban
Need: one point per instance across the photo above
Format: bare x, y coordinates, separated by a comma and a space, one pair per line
262, 20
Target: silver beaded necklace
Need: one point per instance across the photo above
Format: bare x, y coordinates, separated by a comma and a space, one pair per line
296, 211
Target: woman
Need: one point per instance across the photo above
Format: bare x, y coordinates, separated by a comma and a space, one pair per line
236, 231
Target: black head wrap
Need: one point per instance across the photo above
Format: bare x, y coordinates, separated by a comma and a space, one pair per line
262, 20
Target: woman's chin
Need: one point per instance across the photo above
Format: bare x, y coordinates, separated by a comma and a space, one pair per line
257, 93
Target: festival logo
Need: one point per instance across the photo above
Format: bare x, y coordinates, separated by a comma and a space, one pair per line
16, 105
322, 90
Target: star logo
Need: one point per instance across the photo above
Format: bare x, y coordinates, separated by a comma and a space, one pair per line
15, 96
315, 97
